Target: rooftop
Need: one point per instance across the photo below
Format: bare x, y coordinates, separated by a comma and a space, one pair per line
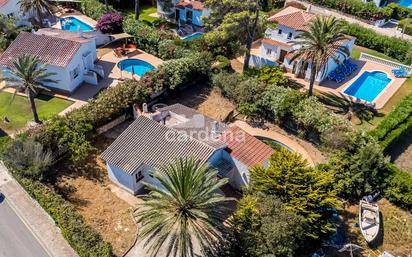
50, 50
293, 17
195, 5
148, 142
275, 42
3, 2
84, 37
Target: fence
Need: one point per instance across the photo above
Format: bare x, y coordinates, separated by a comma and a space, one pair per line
378, 60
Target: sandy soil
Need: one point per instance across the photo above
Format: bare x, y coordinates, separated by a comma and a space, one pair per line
397, 230
86, 186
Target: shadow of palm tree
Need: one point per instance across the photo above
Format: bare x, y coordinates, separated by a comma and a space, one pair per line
343, 104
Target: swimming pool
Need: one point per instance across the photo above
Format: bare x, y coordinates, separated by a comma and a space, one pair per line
71, 23
406, 3
135, 66
193, 36
368, 85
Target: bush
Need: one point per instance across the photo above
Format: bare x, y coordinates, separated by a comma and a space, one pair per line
392, 46
398, 187
110, 23
222, 63
28, 158
94, 9
83, 238
405, 25
399, 12
269, 75
173, 49
395, 124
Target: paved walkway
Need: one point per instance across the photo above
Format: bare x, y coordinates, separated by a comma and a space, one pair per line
35, 218
278, 137
391, 31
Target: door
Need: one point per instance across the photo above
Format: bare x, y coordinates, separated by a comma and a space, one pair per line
282, 55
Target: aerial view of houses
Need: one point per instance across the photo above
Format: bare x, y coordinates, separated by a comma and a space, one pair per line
205, 128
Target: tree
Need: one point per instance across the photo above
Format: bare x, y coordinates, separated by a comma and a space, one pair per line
306, 191
320, 42
265, 228
111, 23
106, 3
183, 210
29, 75
136, 9
39, 7
235, 19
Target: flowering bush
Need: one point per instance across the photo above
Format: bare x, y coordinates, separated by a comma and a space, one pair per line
110, 23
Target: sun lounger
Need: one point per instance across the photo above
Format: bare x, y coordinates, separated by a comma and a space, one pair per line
404, 74
353, 66
344, 70
336, 77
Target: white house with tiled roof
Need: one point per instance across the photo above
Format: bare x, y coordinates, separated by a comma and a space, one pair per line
10, 8
276, 48
156, 139
70, 55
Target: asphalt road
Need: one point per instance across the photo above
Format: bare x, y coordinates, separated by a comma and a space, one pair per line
16, 240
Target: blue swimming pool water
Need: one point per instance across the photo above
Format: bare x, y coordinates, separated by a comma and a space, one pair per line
406, 3
193, 36
368, 85
72, 24
135, 66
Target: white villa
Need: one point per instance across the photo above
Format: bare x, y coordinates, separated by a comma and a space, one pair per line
156, 139
70, 55
183, 11
277, 48
10, 8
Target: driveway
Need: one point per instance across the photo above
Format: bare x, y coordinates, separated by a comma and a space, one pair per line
16, 239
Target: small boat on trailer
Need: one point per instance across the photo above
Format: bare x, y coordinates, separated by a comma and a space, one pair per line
369, 222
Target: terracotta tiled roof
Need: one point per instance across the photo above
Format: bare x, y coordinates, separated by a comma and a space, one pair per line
275, 42
3, 2
65, 34
293, 18
245, 147
50, 50
195, 5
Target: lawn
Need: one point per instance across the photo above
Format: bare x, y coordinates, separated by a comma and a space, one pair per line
18, 111
356, 51
145, 11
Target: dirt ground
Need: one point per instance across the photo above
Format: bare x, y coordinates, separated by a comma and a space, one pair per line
397, 230
86, 186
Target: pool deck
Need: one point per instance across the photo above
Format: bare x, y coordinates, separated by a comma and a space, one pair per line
338, 88
77, 15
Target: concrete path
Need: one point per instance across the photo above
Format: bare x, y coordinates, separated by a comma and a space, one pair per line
36, 219
391, 31
277, 137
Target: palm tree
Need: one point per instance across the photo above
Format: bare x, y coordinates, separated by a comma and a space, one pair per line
29, 75
318, 43
39, 7
136, 9
106, 3
184, 210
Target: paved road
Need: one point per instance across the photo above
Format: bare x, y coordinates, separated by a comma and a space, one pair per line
16, 240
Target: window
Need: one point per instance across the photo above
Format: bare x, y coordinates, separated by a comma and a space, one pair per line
279, 31
268, 51
139, 176
75, 73
290, 35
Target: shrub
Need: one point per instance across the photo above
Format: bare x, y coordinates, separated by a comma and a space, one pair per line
399, 12
110, 23
94, 9
406, 26
173, 49
398, 187
83, 238
395, 124
394, 47
222, 63
29, 158
269, 75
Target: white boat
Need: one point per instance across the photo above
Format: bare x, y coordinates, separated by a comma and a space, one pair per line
369, 220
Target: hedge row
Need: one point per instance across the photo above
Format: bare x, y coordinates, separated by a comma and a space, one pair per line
84, 239
94, 9
406, 26
399, 12
398, 187
391, 46
395, 124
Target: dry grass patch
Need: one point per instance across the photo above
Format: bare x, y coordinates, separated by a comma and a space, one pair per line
86, 186
397, 230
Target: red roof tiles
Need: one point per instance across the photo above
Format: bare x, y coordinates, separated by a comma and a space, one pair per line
3, 2
50, 50
293, 18
245, 147
195, 5
275, 43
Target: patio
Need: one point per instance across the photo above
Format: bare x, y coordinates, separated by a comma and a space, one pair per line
339, 88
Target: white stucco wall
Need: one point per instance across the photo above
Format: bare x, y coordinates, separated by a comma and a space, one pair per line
196, 17
283, 36
12, 7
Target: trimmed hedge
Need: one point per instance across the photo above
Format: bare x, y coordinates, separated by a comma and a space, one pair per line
84, 239
395, 124
398, 187
391, 46
399, 12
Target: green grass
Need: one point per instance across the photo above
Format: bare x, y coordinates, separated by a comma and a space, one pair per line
18, 111
358, 49
145, 11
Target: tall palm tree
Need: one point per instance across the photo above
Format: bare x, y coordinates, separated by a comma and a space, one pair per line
29, 75
40, 8
136, 9
318, 43
184, 210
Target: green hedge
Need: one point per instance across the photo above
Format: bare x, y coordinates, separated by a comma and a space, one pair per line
94, 9
391, 46
406, 26
398, 187
395, 123
399, 12
83, 238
